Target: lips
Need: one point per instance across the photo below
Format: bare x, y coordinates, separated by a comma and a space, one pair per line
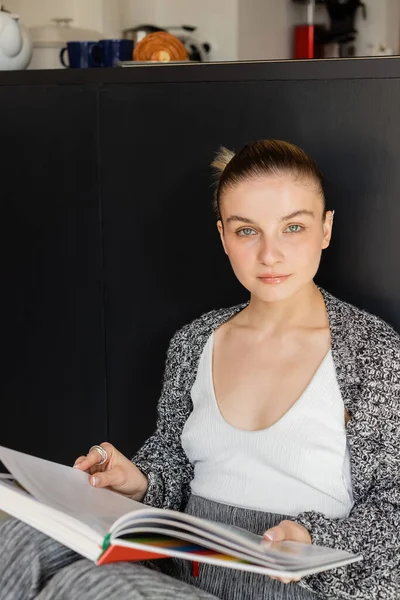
272, 275
273, 278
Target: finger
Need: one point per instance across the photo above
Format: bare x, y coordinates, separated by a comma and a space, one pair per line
276, 534
78, 461
83, 463
285, 579
112, 478
287, 530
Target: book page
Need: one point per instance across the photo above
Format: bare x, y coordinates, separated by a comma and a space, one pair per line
286, 552
219, 559
67, 490
58, 525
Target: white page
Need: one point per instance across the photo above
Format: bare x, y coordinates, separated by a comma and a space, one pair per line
61, 527
202, 558
290, 552
285, 554
195, 539
67, 490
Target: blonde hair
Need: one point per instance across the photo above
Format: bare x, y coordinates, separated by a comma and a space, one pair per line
222, 158
263, 157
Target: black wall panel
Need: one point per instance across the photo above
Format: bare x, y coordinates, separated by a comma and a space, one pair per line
164, 264
52, 386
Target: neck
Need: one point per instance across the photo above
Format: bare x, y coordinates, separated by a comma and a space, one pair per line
304, 308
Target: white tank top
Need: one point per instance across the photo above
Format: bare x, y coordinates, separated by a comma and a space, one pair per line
300, 463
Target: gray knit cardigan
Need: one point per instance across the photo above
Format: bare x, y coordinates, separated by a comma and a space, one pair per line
366, 353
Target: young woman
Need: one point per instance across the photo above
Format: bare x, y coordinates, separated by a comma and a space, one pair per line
280, 415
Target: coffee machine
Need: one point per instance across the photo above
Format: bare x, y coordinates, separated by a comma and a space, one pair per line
311, 40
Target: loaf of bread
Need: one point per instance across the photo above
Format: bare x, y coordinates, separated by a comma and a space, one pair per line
160, 46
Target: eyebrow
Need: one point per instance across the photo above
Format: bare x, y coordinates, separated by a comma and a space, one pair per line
292, 215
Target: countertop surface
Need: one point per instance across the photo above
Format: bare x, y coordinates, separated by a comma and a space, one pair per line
355, 68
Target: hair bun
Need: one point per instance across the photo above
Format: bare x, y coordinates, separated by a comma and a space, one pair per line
222, 159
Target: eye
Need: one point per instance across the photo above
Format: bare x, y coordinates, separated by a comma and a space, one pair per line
246, 232
294, 229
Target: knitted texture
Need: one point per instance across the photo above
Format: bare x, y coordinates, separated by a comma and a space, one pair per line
366, 353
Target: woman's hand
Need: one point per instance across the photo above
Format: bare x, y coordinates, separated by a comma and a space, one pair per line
287, 530
118, 473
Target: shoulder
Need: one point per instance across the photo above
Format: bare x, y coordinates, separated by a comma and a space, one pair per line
367, 347
186, 345
367, 350
361, 328
205, 324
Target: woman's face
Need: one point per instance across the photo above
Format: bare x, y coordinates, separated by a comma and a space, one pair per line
273, 232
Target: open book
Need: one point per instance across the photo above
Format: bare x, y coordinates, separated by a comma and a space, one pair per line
105, 526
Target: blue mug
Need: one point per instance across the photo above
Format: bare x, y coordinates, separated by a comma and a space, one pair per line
79, 55
108, 52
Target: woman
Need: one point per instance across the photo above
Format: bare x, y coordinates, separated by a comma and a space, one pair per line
280, 415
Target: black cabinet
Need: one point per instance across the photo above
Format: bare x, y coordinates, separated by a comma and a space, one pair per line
53, 400
164, 263
109, 242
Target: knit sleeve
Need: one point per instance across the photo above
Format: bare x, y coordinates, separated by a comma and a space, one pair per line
162, 458
373, 525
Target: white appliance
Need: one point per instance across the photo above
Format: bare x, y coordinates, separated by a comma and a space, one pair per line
15, 45
49, 40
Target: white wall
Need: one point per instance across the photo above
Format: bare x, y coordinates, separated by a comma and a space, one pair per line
265, 28
40, 12
139, 12
100, 15
393, 24
217, 21
112, 19
381, 27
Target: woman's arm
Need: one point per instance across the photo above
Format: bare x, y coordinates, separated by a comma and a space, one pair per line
162, 458
373, 525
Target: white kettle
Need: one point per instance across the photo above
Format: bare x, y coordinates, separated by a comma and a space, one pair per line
15, 43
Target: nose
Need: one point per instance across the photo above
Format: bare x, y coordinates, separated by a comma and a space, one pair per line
269, 252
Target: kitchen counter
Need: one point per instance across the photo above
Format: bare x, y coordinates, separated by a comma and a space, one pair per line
359, 68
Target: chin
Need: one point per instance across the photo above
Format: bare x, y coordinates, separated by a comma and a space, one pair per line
274, 295
277, 292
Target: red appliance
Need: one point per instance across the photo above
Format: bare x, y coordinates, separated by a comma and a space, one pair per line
304, 35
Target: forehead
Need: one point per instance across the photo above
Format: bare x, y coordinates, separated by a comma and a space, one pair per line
272, 196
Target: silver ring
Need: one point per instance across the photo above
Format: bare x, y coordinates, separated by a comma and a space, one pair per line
102, 452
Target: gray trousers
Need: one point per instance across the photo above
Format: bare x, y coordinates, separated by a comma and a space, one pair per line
34, 566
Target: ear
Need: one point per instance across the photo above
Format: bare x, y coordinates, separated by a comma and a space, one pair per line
327, 228
220, 228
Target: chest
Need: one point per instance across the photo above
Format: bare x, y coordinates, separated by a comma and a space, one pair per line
303, 452
255, 385
313, 429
